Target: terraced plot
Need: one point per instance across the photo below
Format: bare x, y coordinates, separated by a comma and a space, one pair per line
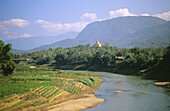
30, 90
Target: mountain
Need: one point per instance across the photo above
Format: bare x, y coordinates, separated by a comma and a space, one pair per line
125, 32
157, 36
64, 44
33, 42
17, 51
121, 27
121, 31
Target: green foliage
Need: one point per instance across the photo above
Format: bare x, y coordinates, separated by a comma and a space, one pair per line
8, 108
161, 71
101, 59
56, 91
37, 103
42, 82
30, 96
7, 66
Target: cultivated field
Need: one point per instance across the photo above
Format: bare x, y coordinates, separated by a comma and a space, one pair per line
32, 89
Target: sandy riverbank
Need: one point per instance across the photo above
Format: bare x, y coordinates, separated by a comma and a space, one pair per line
85, 102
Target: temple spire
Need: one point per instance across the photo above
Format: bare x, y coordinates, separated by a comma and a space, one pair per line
97, 44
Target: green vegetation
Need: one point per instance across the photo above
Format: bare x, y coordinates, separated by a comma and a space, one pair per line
57, 96
30, 96
161, 70
7, 66
26, 87
134, 61
37, 103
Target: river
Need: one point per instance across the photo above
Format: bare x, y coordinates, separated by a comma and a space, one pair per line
138, 94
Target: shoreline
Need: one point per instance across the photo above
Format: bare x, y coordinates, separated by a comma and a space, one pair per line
123, 71
80, 103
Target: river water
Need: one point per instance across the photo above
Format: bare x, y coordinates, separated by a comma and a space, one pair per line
138, 94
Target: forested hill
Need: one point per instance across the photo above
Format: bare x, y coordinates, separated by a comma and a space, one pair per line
122, 27
125, 32
141, 31
157, 36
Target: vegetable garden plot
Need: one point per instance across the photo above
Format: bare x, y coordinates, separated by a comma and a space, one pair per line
27, 89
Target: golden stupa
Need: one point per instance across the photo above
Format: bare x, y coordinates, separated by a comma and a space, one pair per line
97, 44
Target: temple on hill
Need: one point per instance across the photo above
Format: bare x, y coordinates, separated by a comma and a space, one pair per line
97, 44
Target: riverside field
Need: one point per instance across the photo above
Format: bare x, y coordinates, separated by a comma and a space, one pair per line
35, 89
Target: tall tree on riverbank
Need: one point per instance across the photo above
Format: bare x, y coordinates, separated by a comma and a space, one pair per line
161, 71
7, 66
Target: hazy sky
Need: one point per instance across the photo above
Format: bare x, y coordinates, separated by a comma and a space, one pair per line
26, 18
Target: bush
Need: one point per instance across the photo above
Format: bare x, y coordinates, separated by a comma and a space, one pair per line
7, 65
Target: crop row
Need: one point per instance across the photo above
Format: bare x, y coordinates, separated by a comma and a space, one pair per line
72, 89
56, 96
53, 93
22, 78
20, 87
48, 91
30, 96
89, 81
6, 91
12, 104
37, 103
60, 82
45, 90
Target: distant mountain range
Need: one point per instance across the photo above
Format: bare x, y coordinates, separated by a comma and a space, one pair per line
33, 42
125, 32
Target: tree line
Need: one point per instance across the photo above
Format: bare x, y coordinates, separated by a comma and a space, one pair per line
107, 58
104, 58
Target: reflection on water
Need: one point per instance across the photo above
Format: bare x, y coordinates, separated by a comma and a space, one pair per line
137, 94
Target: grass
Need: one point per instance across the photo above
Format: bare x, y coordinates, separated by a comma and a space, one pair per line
50, 92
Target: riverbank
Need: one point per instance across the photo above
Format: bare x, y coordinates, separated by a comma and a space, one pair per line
130, 93
159, 73
36, 89
77, 104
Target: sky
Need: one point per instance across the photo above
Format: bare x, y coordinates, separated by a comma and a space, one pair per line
30, 18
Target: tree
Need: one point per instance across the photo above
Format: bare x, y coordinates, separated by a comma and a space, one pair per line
7, 66
107, 59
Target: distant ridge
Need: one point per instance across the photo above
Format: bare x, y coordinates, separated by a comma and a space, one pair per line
124, 32
33, 42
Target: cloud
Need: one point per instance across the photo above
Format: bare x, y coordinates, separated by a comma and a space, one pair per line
145, 14
10, 35
165, 15
5, 32
120, 13
25, 35
91, 16
3, 28
125, 12
52, 26
15, 23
